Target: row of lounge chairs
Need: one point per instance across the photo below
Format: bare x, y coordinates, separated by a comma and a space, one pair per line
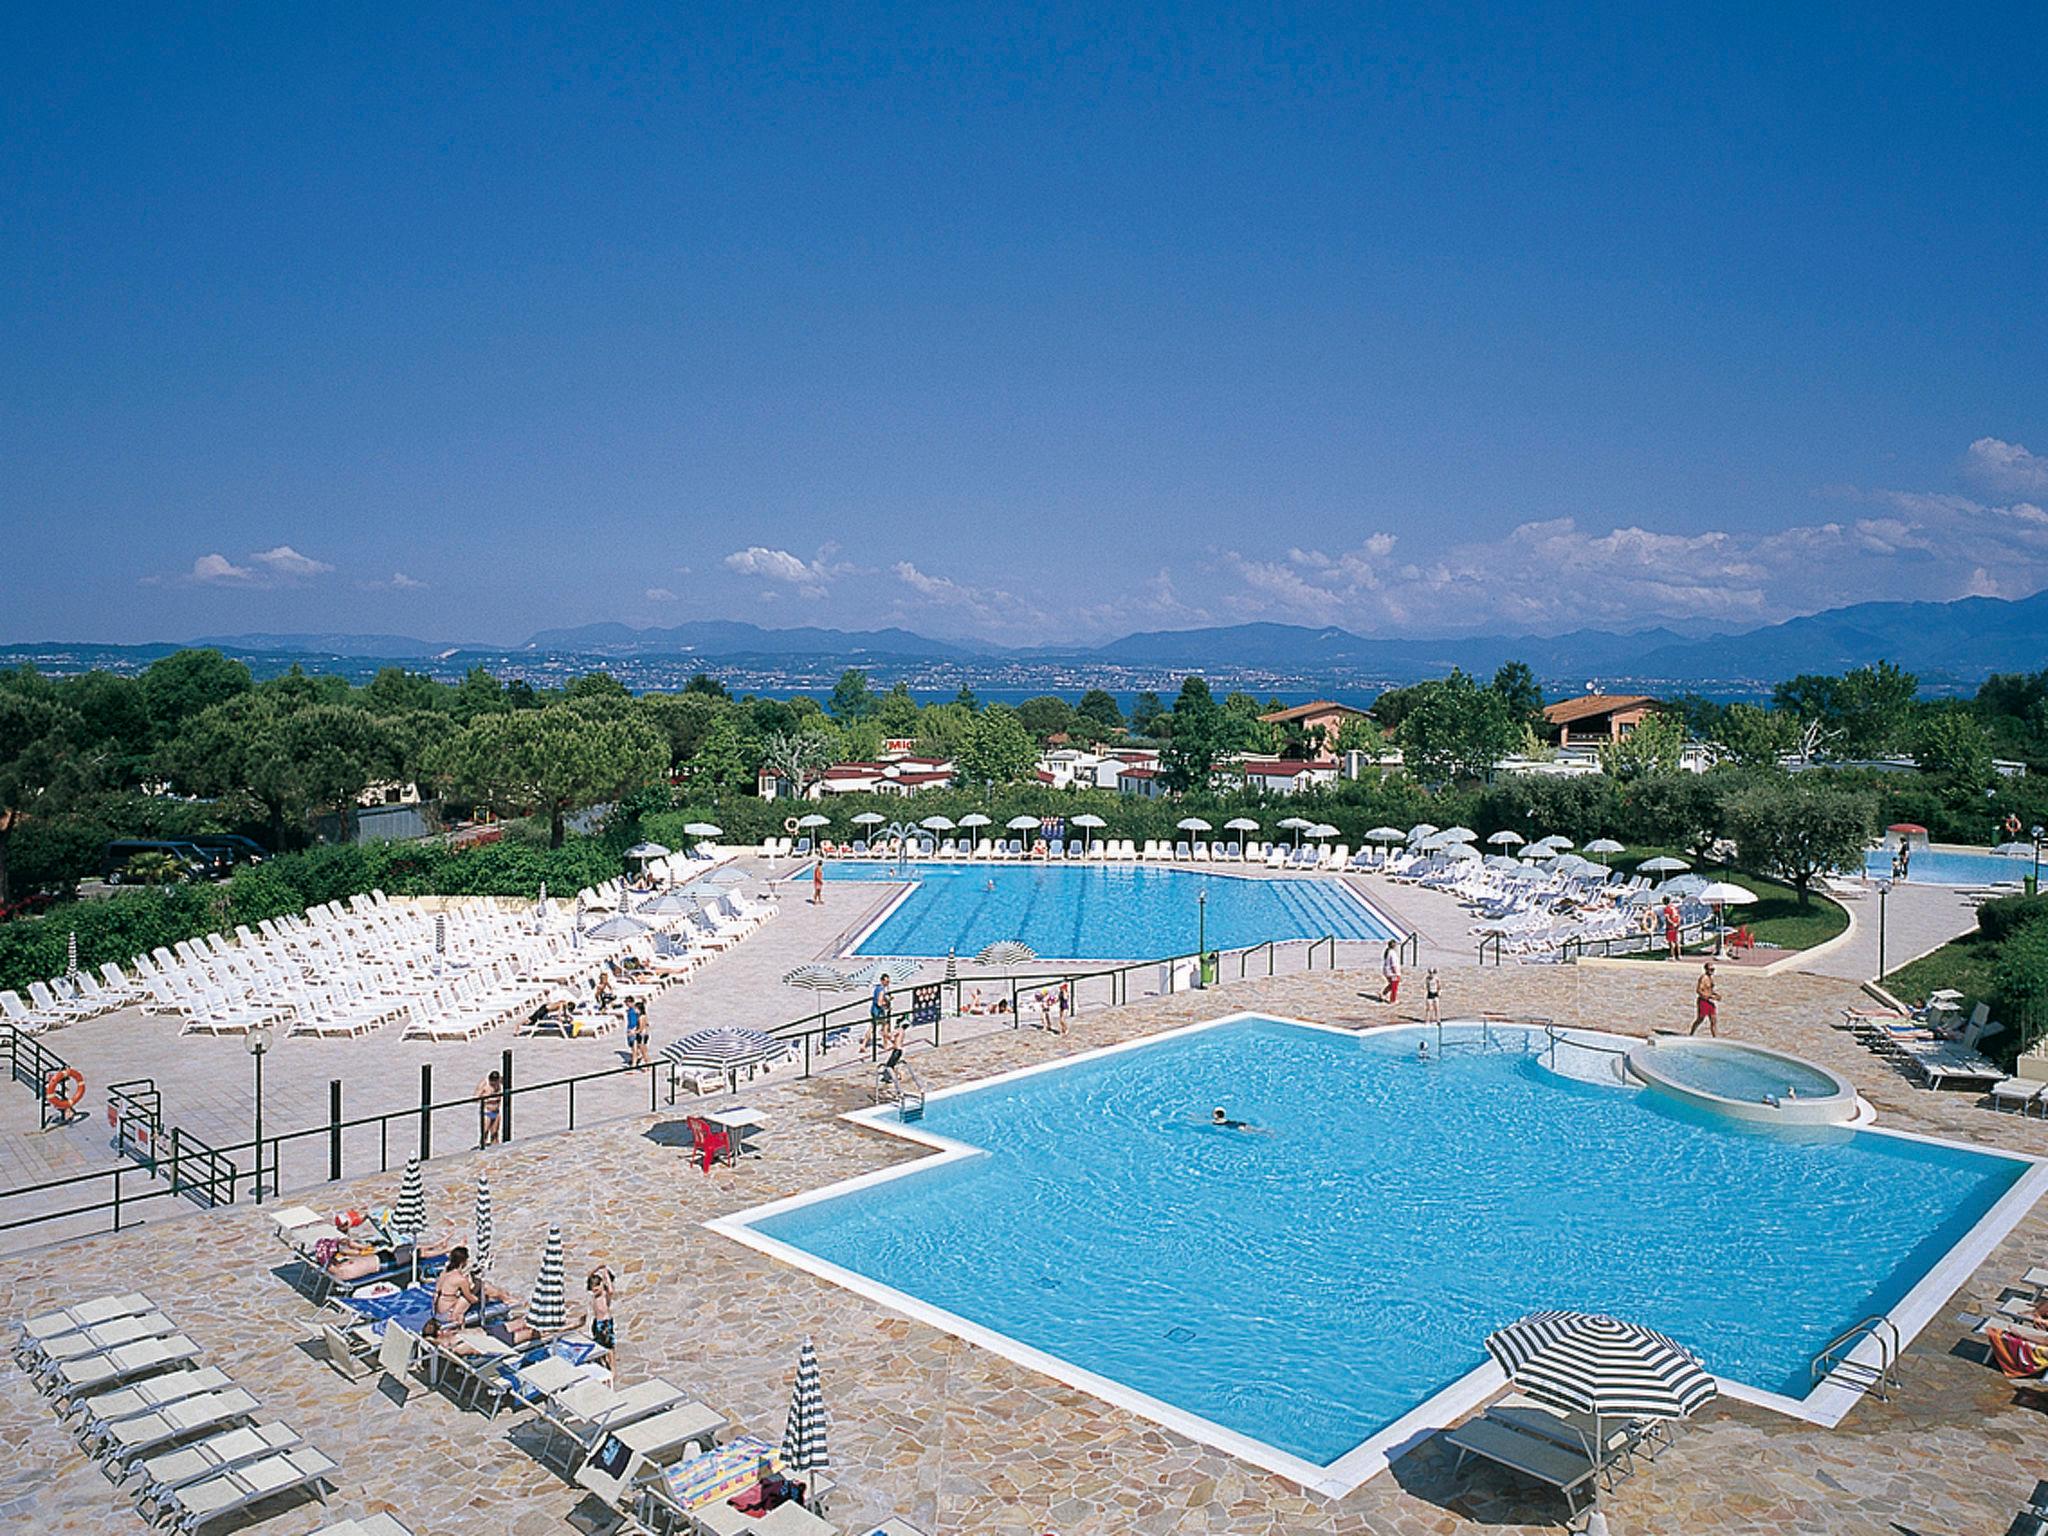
621, 1443
1101, 850
145, 1409
1925, 1045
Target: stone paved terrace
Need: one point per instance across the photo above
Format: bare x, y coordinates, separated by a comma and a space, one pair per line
962, 1441
207, 1083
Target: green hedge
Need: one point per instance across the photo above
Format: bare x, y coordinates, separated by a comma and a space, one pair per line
2002, 916
134, 922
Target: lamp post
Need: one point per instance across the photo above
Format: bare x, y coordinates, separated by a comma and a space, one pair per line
1884, 889
259, 1047
2039, 834
1201, 935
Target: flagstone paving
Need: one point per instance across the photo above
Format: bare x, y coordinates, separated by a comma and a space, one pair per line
951, 1436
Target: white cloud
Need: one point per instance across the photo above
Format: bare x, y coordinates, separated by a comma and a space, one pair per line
288, 564
405, 583
993, 610
659, 595
219, 570
809, 578
2006, 469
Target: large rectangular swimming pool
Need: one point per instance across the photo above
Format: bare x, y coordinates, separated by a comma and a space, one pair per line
1294, 1292
1101, 912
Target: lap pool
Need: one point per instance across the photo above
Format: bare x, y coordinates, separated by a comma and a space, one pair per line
1299, 1295
1099, 912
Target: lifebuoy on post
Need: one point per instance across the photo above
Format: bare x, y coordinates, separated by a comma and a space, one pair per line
789, 823
55, 1092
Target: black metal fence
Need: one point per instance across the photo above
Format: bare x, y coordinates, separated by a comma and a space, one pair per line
170, 1163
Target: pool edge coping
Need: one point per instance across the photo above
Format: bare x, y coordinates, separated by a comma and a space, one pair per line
1825, 1406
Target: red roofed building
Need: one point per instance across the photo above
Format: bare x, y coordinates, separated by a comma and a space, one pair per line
1332, 720
1281, 776
1596, 719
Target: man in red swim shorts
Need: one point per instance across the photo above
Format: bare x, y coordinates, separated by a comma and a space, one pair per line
1704, 1011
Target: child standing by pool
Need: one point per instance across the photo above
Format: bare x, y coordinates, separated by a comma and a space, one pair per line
602, 1330
1432, 987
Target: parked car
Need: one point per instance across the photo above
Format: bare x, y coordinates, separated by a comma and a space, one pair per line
236, 850
199, 864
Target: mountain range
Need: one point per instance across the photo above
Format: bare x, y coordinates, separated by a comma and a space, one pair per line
1947, 643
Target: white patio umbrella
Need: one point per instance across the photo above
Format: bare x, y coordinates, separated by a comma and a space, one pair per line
1089, 822
1500, 861
1604, 846
1295, 824
1434, 841
669, 904
1536, 853
620, 925
1193, 824
937, 823
1022, 823
1662, 864
703, 829
1321, 829
869, 819
1506, 839
1585, 1363
1682, 886
1422, 829
1458, 834
547, 1309
727, 878
1386, 835
1559, 841
1240, 824
1721, 894
1458, 851
2015, 850
642, 853
806, 823
803, 1438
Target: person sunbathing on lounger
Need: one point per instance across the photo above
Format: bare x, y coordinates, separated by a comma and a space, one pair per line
348, 1259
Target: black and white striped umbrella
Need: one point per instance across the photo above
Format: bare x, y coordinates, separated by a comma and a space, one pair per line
725, 1049
803, 1440
816, 976
409, 1216
71, 958
547, 1309
1006, 953
1587, 1363
952, 966
480, 1246
440, 933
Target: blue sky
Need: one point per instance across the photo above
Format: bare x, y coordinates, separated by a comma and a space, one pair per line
1039, 326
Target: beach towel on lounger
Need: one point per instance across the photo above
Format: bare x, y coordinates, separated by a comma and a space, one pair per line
2021, 1358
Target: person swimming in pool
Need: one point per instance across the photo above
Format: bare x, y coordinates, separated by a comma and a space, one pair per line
1221, 1119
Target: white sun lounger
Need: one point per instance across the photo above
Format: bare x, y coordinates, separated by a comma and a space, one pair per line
207, 1458
87, 1314
147, 1396
77, 1379
136, 1437
98, 1339
379, 1524
200, 1504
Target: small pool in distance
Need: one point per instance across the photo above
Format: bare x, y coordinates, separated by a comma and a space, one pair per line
1746, 1081
1943, 866
1100, 912
1294, 1292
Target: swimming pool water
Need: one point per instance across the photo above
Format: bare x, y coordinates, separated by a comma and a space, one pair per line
1100, 912
1309, 1284
1939, 866
1735, 1073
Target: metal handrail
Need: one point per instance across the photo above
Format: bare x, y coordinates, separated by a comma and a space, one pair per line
1876, 1379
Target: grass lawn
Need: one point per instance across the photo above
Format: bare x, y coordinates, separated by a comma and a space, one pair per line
1963, 963
1776, 917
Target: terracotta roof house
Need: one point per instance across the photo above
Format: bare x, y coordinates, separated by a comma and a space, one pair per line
1286, 776
1594, 719
1328, 716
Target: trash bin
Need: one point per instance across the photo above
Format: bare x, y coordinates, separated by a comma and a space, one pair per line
1211, 962
2031, 883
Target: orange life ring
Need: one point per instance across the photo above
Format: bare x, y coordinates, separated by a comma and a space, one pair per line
53, 1090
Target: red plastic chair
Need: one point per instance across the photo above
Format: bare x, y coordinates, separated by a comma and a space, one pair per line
707, 1141
1744, 940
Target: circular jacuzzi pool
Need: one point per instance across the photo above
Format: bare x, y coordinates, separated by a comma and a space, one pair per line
1746, 1081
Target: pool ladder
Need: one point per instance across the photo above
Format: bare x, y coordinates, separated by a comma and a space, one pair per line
898, 1085
1879, 1380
